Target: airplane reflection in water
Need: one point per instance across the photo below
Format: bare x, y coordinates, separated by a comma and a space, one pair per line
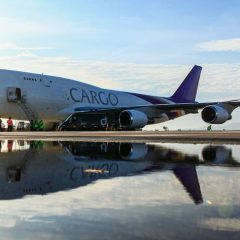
35, 167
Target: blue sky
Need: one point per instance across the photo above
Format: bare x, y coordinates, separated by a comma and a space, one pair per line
137, 31
148, 45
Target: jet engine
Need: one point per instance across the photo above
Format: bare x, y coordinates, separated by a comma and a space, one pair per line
217, 154
133, 151
215, 114
133, 119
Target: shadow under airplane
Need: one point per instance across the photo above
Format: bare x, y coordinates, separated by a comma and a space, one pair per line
36, 167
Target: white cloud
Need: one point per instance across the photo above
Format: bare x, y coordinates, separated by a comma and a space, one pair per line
12, 46
218, 81
232, 45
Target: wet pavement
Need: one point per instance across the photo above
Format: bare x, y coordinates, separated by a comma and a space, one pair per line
119, 190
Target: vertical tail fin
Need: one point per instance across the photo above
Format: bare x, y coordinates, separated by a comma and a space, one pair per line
187, 175
187, 91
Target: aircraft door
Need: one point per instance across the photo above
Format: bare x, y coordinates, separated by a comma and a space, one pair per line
14, 94
46, 81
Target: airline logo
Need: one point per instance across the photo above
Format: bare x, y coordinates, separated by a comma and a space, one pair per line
93, 97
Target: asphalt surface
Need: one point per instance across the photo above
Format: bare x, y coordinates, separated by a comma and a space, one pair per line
232, 137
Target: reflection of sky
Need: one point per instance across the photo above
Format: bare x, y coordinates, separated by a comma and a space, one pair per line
132, 207
14, 145
150, 206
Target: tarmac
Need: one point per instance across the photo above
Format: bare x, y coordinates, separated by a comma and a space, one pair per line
227, 137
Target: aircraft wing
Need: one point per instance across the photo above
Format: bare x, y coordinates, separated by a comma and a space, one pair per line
166, 107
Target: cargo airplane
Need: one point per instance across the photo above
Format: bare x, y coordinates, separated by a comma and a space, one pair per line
79, 106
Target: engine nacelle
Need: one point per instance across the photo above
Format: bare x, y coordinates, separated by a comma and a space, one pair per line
133, 119
215, 114
217, 154
133, 151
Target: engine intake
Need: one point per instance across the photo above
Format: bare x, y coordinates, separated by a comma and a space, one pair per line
133, 151
133, 119
217, 154
215, 114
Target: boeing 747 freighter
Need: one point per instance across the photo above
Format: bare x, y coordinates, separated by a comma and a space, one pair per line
79, 106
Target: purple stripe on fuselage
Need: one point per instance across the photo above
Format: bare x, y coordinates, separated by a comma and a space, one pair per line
159, 100
180, 100
150, 99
